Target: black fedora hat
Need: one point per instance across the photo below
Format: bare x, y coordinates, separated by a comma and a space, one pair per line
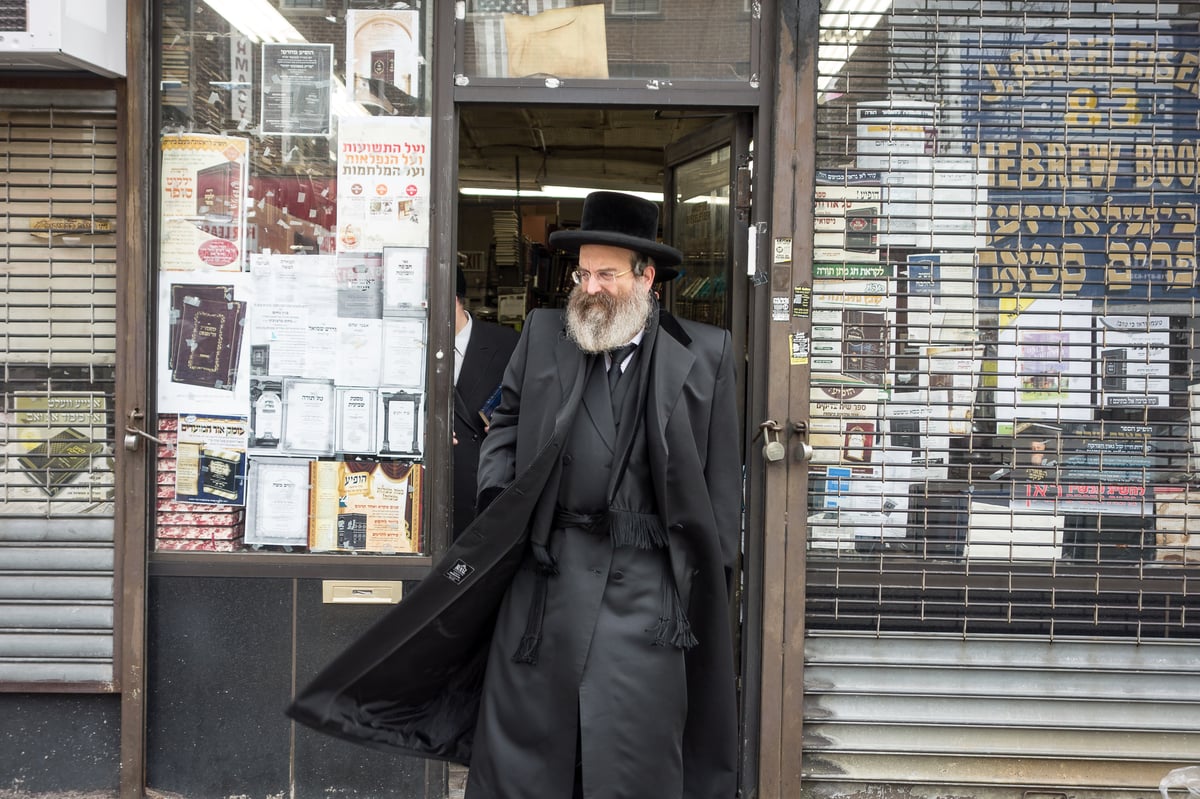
621, 220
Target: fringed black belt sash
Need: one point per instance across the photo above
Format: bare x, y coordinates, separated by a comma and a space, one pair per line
627, 529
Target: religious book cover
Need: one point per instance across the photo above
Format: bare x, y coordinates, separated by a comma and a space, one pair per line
61, 459
180, 292
222, 472
383, 65
219, 189
864, 345
209, 343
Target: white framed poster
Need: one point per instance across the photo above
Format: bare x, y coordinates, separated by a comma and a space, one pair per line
404, 347
308, 416
356, 420
1043, 351
1134, 354
277, 501
405, 279
403, 426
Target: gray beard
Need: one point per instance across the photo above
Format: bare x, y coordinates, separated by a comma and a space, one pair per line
600, 322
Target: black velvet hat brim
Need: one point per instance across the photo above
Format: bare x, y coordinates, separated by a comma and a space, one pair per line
665, 257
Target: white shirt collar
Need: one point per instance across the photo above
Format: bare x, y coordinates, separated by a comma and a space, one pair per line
461, 339
635, 340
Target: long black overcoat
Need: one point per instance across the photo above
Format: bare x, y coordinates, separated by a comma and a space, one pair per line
412, 682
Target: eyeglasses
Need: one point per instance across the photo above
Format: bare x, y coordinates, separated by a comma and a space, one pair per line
605, 277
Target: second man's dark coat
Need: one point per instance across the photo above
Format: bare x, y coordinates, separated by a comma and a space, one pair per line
488, 351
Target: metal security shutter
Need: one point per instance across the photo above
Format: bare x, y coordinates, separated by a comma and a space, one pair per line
937, 710
1002, 521
57, 350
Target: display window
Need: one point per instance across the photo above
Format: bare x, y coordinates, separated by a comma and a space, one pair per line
1003, 319
292, 302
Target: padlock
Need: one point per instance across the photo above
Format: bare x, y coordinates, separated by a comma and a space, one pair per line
773, 451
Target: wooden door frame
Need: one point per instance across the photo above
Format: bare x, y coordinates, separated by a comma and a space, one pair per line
134, 308
791, 169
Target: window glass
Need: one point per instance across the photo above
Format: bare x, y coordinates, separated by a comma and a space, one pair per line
674, 40
701, 220
292, 315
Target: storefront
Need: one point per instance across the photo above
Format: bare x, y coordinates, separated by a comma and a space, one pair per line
956, 247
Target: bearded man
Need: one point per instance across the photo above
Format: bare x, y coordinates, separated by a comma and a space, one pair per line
575, 639
610, 671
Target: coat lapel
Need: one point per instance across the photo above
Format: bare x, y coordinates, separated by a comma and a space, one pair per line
471, 419
574, 364
669, 370
475, 359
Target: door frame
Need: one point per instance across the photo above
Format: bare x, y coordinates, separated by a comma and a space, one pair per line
134, 108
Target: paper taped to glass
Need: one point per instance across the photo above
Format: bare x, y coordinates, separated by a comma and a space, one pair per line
561, 42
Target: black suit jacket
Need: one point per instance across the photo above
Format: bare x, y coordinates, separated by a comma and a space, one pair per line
488, 351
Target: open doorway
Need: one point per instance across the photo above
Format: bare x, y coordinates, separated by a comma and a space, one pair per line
523, 172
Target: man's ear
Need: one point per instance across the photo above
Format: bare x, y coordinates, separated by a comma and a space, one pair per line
649, 272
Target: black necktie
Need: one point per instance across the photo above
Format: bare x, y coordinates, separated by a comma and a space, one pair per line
614, 370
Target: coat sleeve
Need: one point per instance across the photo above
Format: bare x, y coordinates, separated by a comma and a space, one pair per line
723, 473
498, 454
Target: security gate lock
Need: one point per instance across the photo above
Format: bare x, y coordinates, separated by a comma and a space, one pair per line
773, 450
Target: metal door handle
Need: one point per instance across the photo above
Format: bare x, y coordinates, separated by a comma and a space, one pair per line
134, 434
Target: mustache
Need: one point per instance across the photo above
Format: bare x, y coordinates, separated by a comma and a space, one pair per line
601, 299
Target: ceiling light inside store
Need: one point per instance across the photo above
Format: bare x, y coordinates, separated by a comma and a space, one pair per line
844, 25
550, 193
257, 20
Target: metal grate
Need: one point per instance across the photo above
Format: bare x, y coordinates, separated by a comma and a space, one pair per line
1000, 586
58, 179
14, 15
1003, 352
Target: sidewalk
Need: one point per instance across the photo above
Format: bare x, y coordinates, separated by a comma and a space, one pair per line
458, 781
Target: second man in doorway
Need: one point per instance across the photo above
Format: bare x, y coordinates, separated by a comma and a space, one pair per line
481, 351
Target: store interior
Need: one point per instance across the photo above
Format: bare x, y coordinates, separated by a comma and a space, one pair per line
522, 173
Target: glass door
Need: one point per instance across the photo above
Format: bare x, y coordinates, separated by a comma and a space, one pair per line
707, 218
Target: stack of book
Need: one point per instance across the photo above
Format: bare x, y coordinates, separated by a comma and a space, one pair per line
185, 526
506, 237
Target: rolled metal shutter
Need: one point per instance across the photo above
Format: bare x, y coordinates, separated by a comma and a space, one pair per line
933, 711
57, 350
1001, 583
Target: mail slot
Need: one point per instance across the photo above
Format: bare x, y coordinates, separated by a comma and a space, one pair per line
362, 592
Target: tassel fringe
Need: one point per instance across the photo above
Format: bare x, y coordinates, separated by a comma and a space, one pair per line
531, 641
673, 626
638, 530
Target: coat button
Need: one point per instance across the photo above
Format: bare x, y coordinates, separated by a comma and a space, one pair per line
618, 576
676, 528
567, 460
